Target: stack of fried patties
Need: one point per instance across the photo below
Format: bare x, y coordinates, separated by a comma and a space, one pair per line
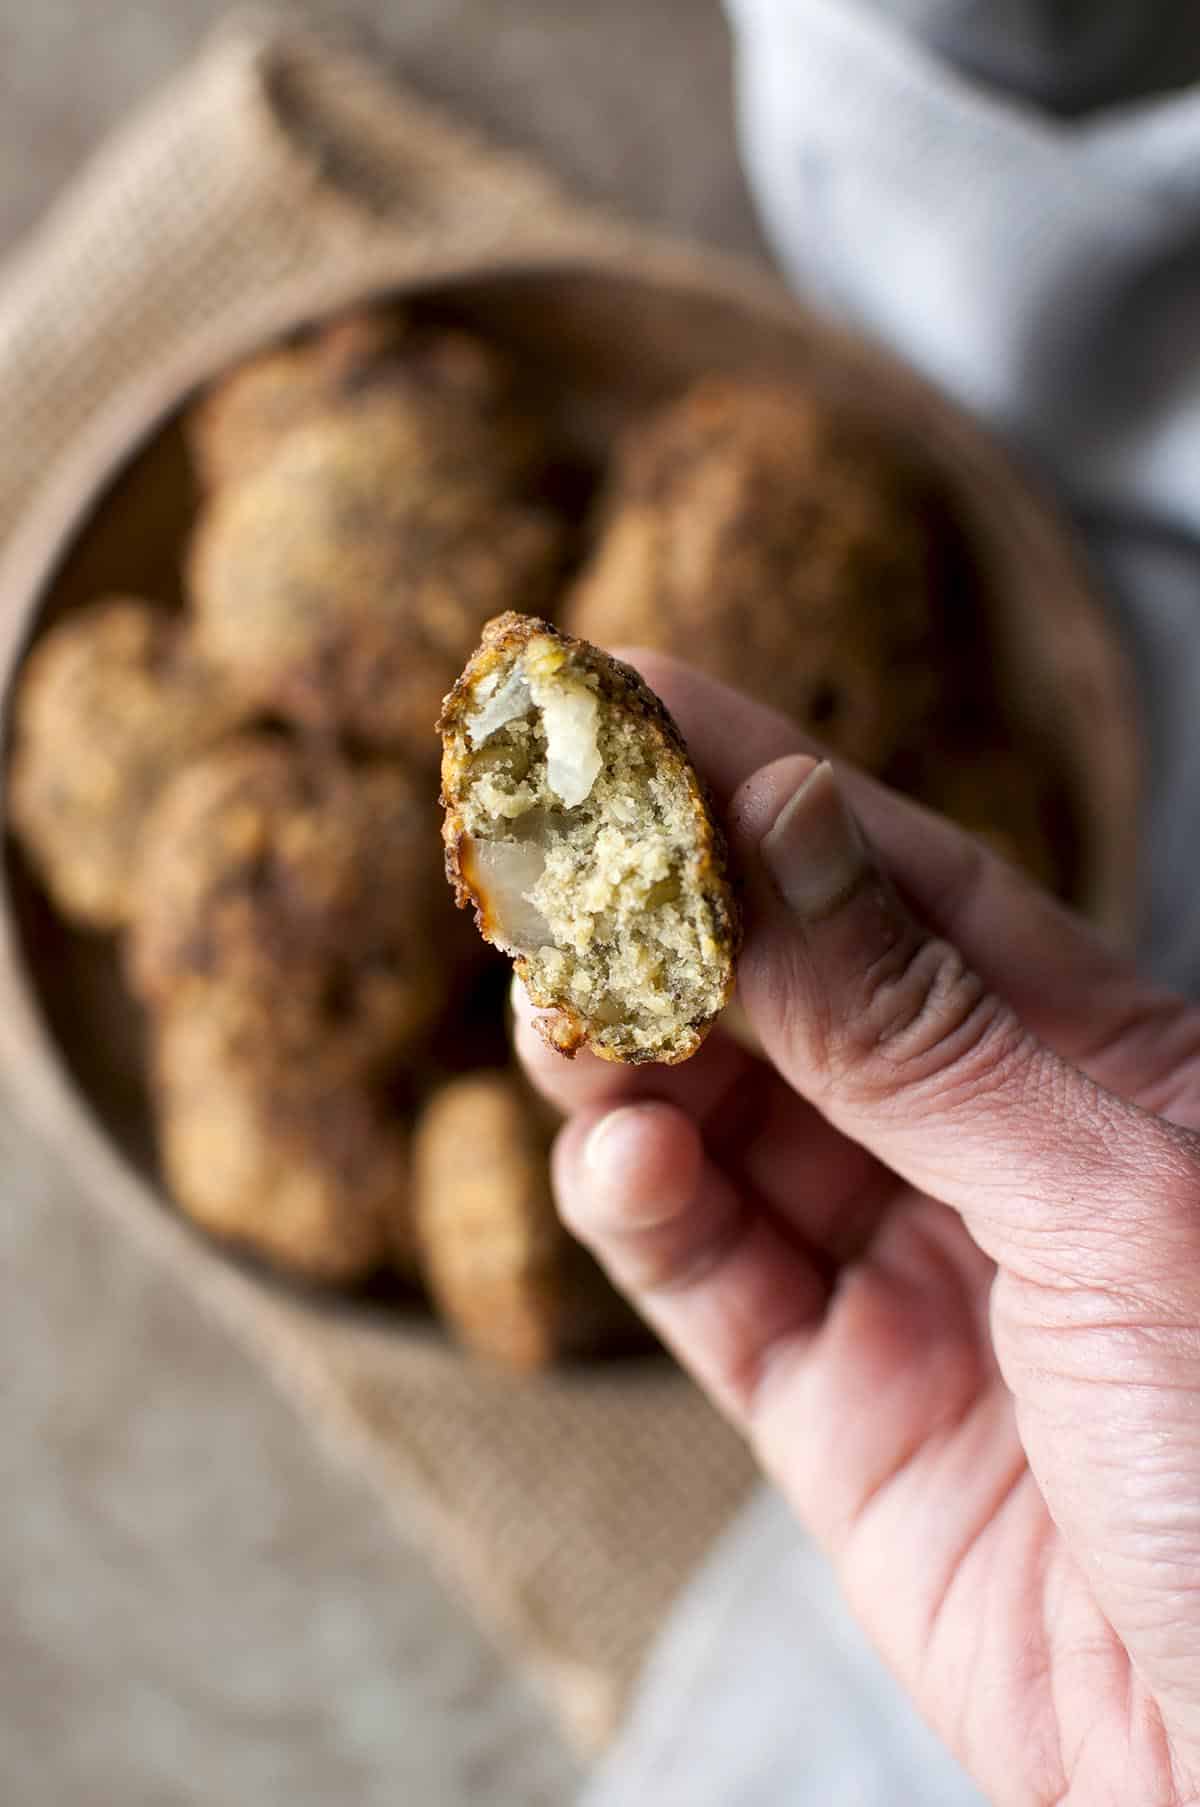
246, 791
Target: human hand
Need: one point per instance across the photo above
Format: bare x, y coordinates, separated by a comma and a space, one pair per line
937, 1252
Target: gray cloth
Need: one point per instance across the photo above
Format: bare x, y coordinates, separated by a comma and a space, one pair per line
917, 174
1045, 273
1068, 55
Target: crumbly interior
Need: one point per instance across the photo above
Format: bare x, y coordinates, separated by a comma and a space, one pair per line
584, 848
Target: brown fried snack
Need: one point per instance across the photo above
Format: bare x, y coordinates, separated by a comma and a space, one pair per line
110, 703
506, 1277
277, 1140
1001, 798
343, 582
295, 877
776, 544
578, 829
456, 395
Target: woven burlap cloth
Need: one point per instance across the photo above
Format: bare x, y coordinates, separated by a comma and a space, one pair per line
570, 1510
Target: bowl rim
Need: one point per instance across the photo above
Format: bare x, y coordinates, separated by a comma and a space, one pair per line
122, 428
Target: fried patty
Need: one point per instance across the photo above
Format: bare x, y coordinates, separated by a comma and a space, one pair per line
278, 1140
577, 827
109, 705
505, 1276
291, 875
778, 545
343, 582
457, 395
1004, 798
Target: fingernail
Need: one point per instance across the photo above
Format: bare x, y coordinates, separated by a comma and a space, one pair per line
814, 849
612, 1142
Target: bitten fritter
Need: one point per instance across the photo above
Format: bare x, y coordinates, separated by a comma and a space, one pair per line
457, 396
344, 581
761, 535
110, 704
276, 1140
577, 827
300, 879
506, 1277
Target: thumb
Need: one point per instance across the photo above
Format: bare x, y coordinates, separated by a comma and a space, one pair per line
889, 1030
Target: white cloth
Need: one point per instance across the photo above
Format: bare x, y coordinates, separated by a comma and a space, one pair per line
1044, 268
764, 1693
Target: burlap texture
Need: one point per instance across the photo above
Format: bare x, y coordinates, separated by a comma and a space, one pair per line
570, 1509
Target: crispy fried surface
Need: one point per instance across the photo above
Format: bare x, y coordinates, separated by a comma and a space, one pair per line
276, 1139
294, 876
757, 533
457, 394
344, 581
489, 1243
577, 827
110, 703
502, 1271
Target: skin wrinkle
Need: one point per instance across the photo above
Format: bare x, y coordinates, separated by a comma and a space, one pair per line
747, 1376
967, 1040
682, 1274
1155, 1028
698, 1264
986, 1523
928, 1008
1078, 1296
925, 1441
1037, 1650
1058, 1573
872, 1272
1180, 1780
850, 1236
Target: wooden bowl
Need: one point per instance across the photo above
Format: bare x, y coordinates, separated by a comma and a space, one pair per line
599, 343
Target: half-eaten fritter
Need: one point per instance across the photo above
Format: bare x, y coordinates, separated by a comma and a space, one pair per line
578, 828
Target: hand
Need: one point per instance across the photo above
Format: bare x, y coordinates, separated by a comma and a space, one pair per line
937, 1252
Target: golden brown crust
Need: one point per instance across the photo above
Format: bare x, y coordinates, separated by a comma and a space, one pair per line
293, 876
110, 703
505, 1276
277, 1141
771, 541
344, 581
457, 389
564, 1027
237, 422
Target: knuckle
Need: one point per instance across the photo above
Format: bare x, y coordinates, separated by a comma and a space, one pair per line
662, 1259
924, 1020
